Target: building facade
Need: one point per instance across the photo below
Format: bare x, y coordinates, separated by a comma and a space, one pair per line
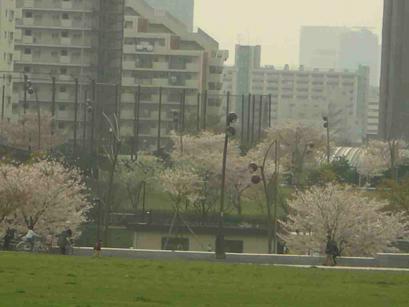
307, 95
181, 9
7, 33
394, 91
107, 56
340, 48
373, 113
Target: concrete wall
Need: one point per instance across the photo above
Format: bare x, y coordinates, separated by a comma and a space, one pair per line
381, 260
199, 242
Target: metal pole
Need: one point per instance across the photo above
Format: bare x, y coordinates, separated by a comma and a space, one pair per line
253, 123
276, 198
248, 119
269, 111
3, 96
53, 108
25, 94
99, 220
198, 113
38, 120
159, 119
260, 114
220, 248
328, 145
94, 95
205, 110
242, 119
75, 116
117, 111
135, 142
84, 122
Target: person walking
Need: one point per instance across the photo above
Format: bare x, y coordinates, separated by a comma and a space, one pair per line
97, 248
332, 251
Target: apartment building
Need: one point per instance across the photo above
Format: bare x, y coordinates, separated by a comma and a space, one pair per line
167, 61
7, 32
63, 46
308, 95
373, 113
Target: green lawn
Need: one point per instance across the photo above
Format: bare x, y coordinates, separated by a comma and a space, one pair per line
33, 280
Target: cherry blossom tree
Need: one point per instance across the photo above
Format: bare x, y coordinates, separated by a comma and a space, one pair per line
24, 133
133, 175
300, 146
378, 157
358, 224
48, 197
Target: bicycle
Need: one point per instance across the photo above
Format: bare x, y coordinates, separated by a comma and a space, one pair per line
35, 246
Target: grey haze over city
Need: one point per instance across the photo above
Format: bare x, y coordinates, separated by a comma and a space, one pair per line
276, 24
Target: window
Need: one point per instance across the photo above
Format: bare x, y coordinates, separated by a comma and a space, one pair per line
61, 125
64, 34
181, 244
28, 14
64, 52
27, 32
63, 70
65, 16
27, 69
27, 51
63, 89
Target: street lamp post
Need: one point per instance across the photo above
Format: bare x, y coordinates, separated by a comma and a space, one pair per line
271, 212
230, 131
326, 126
30, 90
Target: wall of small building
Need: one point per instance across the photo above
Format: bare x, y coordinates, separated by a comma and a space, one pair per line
199, 242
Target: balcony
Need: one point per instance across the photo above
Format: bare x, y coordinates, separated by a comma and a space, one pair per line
66, 23
192, 67
27, 39
128, 65
160, 82
66, 5
65, 59
65, 40
29, 3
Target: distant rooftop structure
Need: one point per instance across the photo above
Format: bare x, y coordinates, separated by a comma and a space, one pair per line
181, 9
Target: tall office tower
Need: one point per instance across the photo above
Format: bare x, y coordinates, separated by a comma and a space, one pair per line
247, 58
394, 92
7, 26
340, 48
181, 9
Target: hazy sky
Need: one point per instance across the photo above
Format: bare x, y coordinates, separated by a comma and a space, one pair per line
275, 24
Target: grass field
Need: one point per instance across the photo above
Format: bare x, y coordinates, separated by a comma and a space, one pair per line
33, 280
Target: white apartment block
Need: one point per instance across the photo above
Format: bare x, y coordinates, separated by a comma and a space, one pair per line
123, 45
7, 33
373, 113
308, 95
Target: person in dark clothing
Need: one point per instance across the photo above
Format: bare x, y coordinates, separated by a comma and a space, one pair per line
8, 238
332, 251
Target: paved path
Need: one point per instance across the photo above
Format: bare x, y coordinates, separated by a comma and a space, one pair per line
345, 268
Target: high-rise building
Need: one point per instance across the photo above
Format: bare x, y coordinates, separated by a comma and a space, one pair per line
112, 54
340, 48
7, 32
181, 9
247, 58
394, 91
